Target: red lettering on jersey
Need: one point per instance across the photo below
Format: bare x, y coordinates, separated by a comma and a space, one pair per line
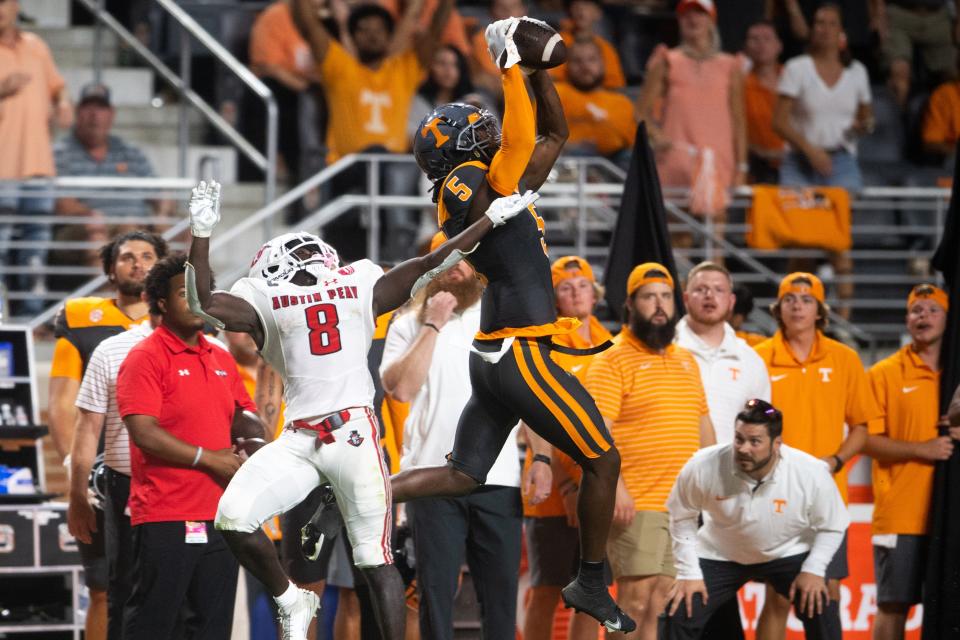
317, 297
284, 301
353, 292
331, 294
346, 271
276, 303
340, 293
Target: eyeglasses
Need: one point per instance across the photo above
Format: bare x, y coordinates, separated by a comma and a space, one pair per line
762, 410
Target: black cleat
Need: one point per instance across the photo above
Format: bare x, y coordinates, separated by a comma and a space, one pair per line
597, 605
323, 527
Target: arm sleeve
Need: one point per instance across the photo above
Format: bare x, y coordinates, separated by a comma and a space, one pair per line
94, 394
519, 135
456, 196
939, 114
864, 96
139, 385
684, 507
829, 518
400, 336
67, 362
877, 384
791, 79
264, 46
605, 384
55, 81
861, 404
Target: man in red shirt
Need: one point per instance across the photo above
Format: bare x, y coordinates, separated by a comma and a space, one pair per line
178, 396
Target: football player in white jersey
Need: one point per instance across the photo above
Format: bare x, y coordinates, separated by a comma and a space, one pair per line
313, 322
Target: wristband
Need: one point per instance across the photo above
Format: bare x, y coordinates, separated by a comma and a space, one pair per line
839, 464
542, 458
432, 326
196, 458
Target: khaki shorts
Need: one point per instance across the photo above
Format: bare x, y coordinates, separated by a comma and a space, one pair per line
644, 548
930, 33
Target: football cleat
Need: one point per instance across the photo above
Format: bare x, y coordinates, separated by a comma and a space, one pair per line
598, 605
295, 621
323, 527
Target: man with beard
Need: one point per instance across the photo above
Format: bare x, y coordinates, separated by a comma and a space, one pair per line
601, 121
651, 398
81, 325
426, 363
770, 513
826, 399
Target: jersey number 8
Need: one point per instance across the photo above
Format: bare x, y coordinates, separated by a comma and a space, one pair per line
322, 320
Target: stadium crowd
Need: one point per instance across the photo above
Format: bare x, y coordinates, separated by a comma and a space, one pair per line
734, 92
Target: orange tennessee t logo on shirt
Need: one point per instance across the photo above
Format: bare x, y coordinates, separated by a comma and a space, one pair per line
735, 373
779, 504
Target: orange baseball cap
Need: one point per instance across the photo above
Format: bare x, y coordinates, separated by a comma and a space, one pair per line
570, 267
706, 6
790, 285
928, 291
638, 277
438, 239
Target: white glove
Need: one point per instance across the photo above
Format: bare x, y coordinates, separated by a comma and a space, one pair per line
204, 209
502, 209
499, 36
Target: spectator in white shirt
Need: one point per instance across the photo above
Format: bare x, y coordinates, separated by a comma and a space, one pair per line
770, 513
823, 106
426, 362
730, 369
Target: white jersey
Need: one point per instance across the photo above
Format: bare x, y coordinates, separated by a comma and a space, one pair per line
317, 337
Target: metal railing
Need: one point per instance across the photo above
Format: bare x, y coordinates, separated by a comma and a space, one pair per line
189, 30
581, 206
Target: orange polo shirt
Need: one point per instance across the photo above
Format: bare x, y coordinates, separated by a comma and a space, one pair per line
25, 116
817, 396
578, 366
941, 123
368, 107
599, 117
908, 392
655, 402
759, 101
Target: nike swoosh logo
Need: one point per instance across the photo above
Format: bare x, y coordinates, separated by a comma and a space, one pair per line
646, 365
779, 377
909, 389
576, 368
611, 626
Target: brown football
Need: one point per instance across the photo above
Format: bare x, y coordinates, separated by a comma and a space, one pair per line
539, 44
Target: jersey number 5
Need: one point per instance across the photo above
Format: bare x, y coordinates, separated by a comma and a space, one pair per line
322, 320
462, 191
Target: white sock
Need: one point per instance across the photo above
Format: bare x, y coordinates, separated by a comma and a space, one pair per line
288, 598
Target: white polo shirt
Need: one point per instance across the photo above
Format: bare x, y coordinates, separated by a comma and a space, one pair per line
732, 373
796, 509
431, 425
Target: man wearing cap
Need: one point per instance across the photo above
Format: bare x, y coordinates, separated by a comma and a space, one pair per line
551, 478
907, 387
91, 150
651, 398
426, 363
770, 512
820, 386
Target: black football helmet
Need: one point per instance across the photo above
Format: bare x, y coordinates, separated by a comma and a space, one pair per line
453, 134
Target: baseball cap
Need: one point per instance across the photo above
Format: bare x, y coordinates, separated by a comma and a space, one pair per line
928, 291
639, 276
706, 6
95, 92
790, 285
570, 267
438, 239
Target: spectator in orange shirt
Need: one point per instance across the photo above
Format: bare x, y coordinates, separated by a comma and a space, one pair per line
454, 34
600, 121
32, 94
485, 73
941, 123
907, 386
651, 397
822, 389
585, 16
550, 490
765, 147
369, 97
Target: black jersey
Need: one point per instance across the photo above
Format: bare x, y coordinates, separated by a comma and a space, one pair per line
519, 298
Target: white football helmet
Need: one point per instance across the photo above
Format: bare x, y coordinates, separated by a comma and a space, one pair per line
276, 262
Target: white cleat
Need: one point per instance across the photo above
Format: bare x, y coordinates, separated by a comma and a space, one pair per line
296, 620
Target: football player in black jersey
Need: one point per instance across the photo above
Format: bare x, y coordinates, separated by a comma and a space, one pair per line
470, 162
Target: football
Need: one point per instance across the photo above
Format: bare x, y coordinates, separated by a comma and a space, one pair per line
539, 44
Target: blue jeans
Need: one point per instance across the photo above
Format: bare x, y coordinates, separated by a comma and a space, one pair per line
34, 283
797, 172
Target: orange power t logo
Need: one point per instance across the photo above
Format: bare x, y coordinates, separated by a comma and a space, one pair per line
735, 373
432, 127
778, 505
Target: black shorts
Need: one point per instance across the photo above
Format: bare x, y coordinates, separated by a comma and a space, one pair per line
93, 556
900, 570
526, 384
301, 570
